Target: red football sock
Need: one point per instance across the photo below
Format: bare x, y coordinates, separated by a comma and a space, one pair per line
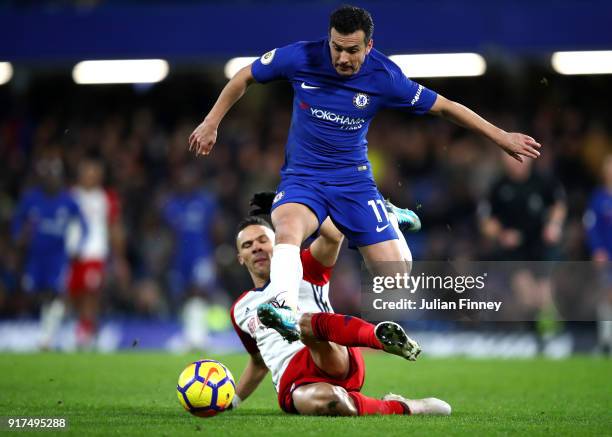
366, 405
86, 326
344, 330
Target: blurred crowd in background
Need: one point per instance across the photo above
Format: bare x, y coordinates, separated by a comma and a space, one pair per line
170, 217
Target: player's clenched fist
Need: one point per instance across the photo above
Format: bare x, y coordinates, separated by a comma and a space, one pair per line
203, 138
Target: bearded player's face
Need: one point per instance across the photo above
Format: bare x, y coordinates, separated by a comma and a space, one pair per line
348, 52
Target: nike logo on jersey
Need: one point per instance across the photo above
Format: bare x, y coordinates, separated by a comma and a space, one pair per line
308, 87
379, 229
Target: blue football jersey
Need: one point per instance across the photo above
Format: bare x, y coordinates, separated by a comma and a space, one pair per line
332, 113
47, 218
599, 221
190, 216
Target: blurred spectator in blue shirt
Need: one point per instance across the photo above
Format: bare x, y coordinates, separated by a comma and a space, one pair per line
598, 218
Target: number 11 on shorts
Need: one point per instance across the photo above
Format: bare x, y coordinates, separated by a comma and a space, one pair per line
373, 204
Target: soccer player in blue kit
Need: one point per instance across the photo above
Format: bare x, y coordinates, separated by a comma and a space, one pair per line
191, 213
40, 225
339, 84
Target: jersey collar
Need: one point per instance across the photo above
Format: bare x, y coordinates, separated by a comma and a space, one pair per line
261, 288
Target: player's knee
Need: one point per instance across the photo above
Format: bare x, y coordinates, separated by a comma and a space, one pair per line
324, 400
337, 402
306, 327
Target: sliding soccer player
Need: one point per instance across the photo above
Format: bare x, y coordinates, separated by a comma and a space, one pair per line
323, 373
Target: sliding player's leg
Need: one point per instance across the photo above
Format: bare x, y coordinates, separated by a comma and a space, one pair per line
331, 358
353, 331
427, 406
325, 399
325, 379
321, 392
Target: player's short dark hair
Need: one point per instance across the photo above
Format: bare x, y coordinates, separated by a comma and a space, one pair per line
252, 220
348, 19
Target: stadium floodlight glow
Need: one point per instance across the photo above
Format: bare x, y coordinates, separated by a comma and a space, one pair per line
235, 64
120, 71
591, 62
441, 64
6, 72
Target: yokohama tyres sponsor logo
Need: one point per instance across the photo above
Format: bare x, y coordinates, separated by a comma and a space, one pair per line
347, 123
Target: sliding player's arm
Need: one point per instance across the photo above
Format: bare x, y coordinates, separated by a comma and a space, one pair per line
514, 144
255, 370
250, 379
203, 138
326, 247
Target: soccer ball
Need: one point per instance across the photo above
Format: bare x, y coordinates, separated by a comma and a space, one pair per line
205, 388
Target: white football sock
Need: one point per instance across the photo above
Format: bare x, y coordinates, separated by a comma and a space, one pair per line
51, 318
286, 273
195, 326
404, 249
604, 324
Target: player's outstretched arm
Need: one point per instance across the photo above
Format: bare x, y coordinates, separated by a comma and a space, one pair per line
515, 144
326, 246
250, 379
204, 137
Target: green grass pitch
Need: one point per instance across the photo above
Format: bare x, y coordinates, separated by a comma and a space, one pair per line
134, 394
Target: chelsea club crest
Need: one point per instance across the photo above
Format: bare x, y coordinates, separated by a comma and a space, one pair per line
278, 197
361, 100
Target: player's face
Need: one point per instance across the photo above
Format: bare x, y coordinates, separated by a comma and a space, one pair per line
255, 245
348, 52
517, 170
91, 175
50, 173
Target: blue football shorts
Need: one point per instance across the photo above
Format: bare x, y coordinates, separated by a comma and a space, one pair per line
355, 206
45, 273
197, 271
